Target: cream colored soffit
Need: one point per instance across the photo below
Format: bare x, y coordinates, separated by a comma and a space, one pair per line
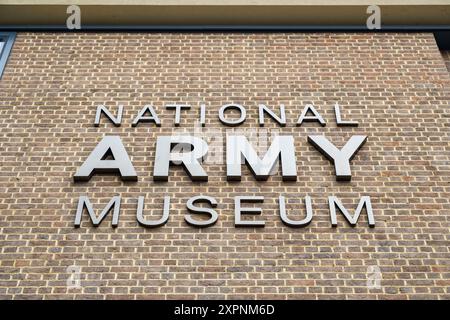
225, 12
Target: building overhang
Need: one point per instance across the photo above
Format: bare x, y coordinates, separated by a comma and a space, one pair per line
226, 14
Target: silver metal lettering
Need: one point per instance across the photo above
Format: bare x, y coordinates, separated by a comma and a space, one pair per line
232, 123
102, 109
148, 223
292, 223
239, 149
339, 120
238, 210
315, 117
195, 209
141, 117
189, 160
83, 202
96, 162
280, 119
202, 115
178, 108
340, 158
364, 201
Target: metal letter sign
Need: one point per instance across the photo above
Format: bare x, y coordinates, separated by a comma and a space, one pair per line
232, 123
364, 201
315, 117
157, 223
142, 118
83, 202
96, 162
292, 223
110, 156
340, 158
238, 210
189, 160
195, 209
177, 108
102, 109
280, 119
238, 149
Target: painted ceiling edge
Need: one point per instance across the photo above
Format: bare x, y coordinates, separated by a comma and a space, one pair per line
225, 12
228, 16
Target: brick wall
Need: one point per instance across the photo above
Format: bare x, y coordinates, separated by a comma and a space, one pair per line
446, 56
395, 85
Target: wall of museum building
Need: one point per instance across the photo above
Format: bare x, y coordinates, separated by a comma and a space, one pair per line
446, 57
396, 86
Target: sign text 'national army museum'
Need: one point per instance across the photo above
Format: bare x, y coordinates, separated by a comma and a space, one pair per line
224, 149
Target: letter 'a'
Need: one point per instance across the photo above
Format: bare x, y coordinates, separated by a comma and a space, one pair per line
97, 162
